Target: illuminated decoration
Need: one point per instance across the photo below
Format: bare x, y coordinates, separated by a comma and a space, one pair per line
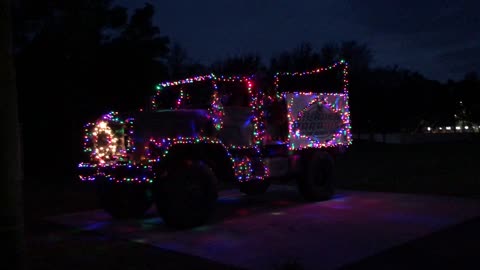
87, 142
317, 120
243, 168
110, 138
216, 111
238, 163
107, 145
181, 97
255, 103
159, 87
92, 168
328, 125
166, 143
113, 156
458, 129
136, 173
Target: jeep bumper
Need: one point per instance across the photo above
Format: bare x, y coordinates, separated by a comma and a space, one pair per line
120, 172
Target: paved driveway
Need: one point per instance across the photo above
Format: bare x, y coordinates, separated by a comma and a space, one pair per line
266, 231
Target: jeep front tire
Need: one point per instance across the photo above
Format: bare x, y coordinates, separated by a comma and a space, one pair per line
186, 196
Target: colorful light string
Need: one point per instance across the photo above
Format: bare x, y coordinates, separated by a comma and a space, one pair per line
108, 161
109, 141
297, 141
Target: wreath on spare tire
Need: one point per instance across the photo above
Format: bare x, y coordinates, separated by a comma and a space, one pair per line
108, 137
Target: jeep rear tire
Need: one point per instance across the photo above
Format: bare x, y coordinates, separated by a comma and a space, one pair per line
315, 181
186, 196
123, 200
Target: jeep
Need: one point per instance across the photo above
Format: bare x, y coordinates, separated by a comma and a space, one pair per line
199, 131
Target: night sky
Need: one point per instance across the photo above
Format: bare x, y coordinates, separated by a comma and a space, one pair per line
438, 38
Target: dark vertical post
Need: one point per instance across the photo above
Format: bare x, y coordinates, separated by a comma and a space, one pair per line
11, 203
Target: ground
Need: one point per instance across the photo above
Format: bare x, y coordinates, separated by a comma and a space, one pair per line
438, 169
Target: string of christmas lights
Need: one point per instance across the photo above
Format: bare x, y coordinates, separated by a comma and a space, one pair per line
110, 152
238, 163
298, 141
109, 140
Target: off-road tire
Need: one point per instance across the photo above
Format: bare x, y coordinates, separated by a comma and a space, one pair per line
186, 196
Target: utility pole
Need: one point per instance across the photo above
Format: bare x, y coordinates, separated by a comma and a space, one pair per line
11, 202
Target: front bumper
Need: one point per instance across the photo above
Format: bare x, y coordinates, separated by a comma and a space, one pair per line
120, 172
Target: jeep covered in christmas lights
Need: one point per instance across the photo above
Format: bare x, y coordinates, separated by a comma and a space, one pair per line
199, 131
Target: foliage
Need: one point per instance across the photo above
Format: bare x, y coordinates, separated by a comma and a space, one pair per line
244, 65
78, 59
180, 65
74, 59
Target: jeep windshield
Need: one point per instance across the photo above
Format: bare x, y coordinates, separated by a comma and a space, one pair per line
233, 94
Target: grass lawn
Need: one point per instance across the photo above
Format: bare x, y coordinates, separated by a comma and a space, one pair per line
441, 168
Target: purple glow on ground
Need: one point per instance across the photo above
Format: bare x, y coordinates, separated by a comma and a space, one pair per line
261, 232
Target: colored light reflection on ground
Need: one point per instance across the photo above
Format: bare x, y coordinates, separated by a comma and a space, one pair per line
151, 223
242, 212
230, 200
95, 226
202, 228
255, 233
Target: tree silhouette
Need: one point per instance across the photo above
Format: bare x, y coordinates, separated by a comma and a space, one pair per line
177, 61
358, 55
239, 65
301, 58
329, 53
76, 60
467, 91
180, 65
11, 197
132, 62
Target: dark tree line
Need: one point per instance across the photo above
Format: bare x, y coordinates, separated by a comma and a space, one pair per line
74, 61
78, 59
